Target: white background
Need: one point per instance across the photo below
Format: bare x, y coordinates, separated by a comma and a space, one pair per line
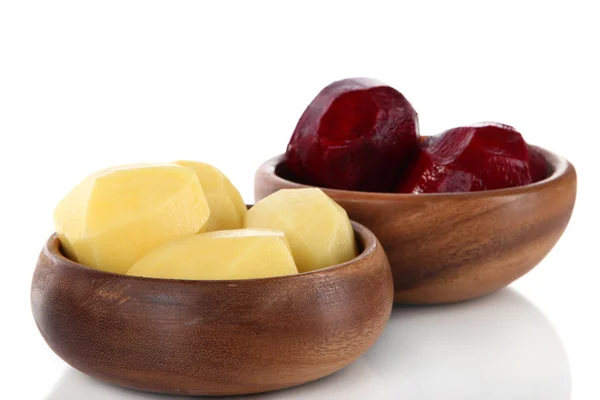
85, 85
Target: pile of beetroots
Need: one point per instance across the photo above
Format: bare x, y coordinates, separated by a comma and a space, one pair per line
360, 134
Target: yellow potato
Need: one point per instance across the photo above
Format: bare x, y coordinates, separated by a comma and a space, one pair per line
317, 228
232, 254
115, 216
227, 208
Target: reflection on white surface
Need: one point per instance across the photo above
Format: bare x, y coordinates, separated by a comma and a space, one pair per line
498, 347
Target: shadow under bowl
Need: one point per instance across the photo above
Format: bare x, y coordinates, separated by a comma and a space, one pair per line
451, 247
212, 337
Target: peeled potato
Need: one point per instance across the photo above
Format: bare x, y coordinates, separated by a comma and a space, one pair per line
227, 208
115, 216
232, 254
317, 228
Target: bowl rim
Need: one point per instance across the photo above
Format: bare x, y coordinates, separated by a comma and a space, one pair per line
561, 168
367, 238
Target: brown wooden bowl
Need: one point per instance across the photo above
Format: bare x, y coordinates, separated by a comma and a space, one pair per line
212, 337
454, 246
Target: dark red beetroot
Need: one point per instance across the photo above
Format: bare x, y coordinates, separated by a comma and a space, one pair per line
357, 134
467, 159
538, 166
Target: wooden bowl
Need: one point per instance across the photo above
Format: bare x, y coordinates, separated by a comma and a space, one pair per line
212, 337
455, 246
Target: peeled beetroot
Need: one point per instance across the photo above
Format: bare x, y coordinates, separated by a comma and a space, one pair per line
538, 166
357, 134
471, 158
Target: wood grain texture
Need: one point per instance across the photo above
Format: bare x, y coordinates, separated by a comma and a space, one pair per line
455, 246
212, 337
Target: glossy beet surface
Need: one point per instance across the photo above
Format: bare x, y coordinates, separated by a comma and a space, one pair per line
357, 134
471, 158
